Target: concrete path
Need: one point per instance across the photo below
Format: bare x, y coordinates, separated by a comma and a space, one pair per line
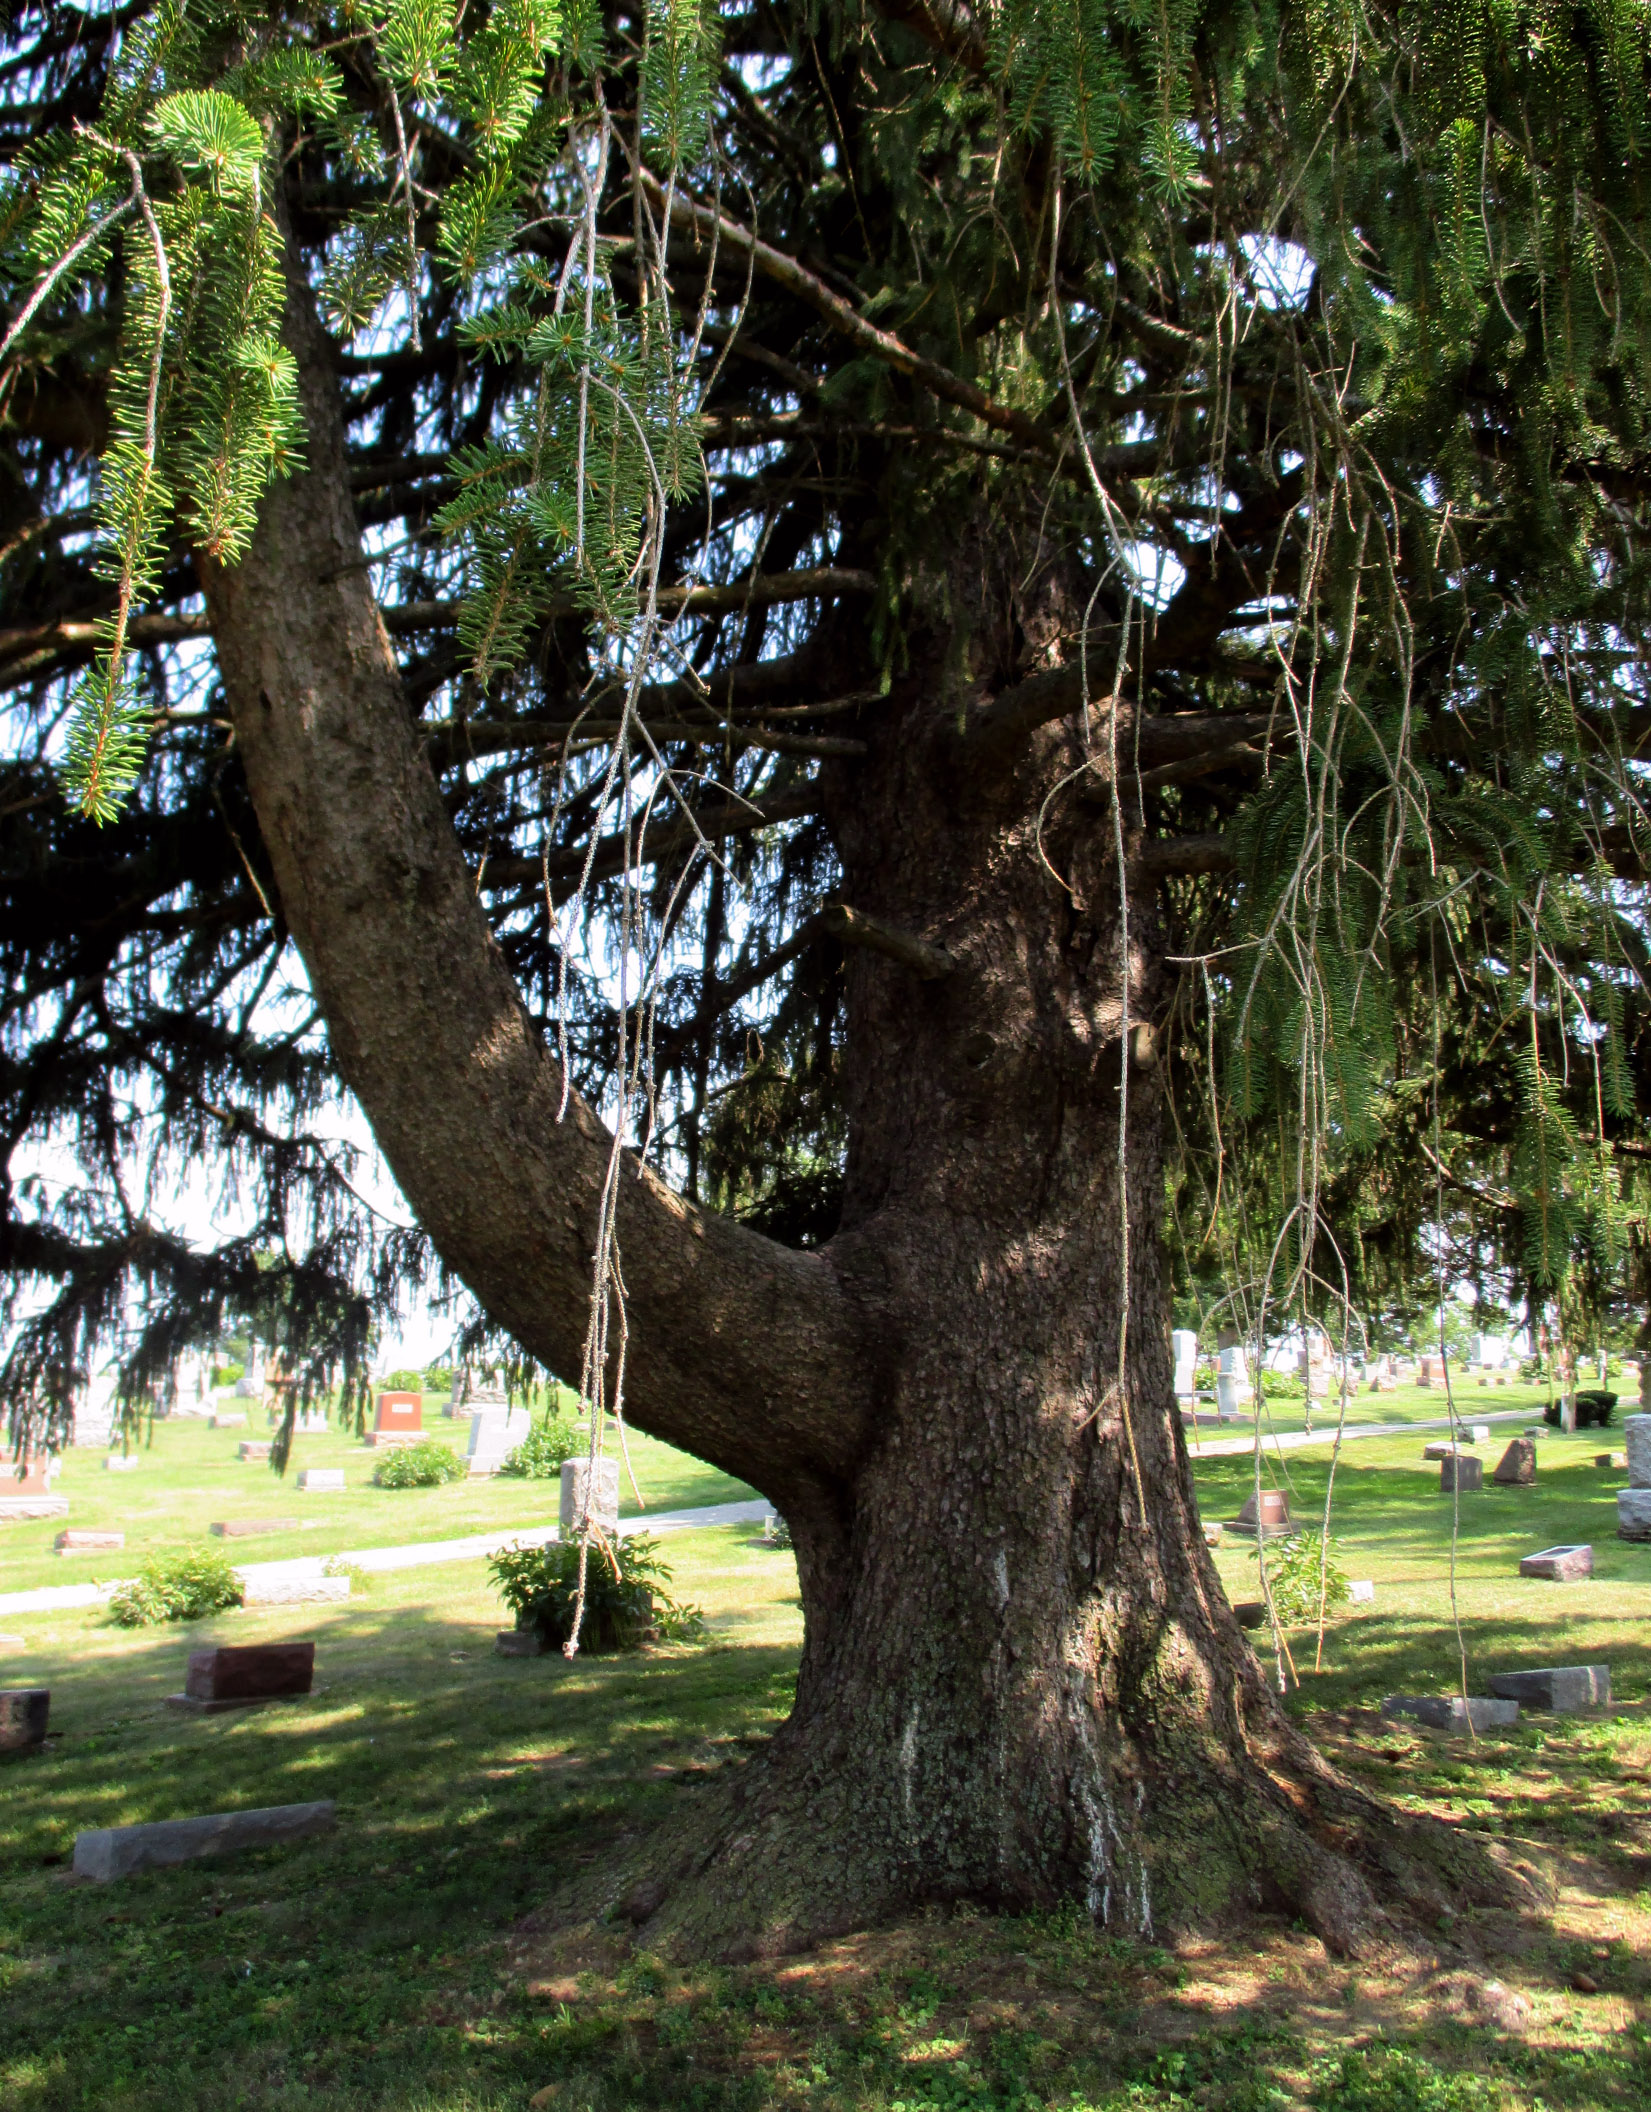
1294, 1440
417, 1556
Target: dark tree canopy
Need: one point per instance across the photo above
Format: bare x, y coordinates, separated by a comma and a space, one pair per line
1013, 614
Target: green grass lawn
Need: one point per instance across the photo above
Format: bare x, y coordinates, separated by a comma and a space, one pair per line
397, 1965
189, 1477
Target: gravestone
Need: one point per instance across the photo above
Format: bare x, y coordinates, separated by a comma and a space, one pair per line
253, 1528
1516, 1469
1479, 1433
1361, 1592
1561, 1688
1634, 1514
254, 1448
1233, 1390
227, 1422
1251, 1613
1275, 1515
1429, 1372
235, 1673
1560, 1565
23, 1716
322, 1481
604, 1505
107, 1852
1604, 1459
495, 1432
81, 1542
1461, 1473
26, 1488
1184, 1344
1567, 1413
302, 1583
121, 1463
1441, 1448
398, 1421
1449, 1712
1637, 1432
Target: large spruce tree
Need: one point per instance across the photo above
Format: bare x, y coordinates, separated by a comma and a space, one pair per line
829, 627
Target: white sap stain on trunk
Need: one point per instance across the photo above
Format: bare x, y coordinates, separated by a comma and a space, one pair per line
908, 1763
1000, 1574
1111, 1860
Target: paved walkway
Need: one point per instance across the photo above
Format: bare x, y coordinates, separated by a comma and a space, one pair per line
1293, 1440
420, 1555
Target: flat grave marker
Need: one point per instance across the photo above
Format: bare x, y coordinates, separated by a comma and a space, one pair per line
322, 1481
26, 1489
252, 1528
1563, 1689
80, 1541
254, 1448
1560, 1565
1449, 1712
227, 1422
108, 1852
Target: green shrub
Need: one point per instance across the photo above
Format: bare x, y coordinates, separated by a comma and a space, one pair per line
1293, 1574
426, 1465
776, 1533
438, 1378
540, 1455
177, 1588
1594, 1408
227, 1374
400, 1382
623, 1611
1387, 2079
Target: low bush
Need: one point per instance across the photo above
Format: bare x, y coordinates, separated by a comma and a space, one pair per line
426, 1465
626, 1603
177, 1588
1294, 1575
1594, 1409
438, 1378
540, 1455
400, 1382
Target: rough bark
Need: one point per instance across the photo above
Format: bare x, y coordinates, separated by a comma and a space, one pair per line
1021, 1680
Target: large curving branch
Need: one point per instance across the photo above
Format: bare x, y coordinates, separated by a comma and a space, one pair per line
746, 1352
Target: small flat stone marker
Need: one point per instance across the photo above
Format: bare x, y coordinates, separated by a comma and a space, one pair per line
121, 1463
1448, 1712
1603, 1459
1361, 1592
23, 1715
1561, 1688
299, 1587
254, 1448
234, 1674
227, 1422
320, 1481
1516, 1469
1440, 1448
1461, 1471
108, 1852
80, 1541
1479, 1433
1561, 1565
250, 1528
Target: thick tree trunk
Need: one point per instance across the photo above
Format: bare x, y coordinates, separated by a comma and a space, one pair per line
1020, 1680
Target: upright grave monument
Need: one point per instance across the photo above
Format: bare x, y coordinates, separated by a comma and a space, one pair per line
399, 1420
1634, 1502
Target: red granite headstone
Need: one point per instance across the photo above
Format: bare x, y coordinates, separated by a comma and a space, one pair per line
400, 1419
1275, 1511
29, 1476
250, 1671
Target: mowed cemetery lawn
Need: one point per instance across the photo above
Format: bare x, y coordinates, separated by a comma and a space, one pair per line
190, 1477
438, 1952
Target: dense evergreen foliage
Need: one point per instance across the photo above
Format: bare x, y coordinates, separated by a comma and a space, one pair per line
1280, 371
